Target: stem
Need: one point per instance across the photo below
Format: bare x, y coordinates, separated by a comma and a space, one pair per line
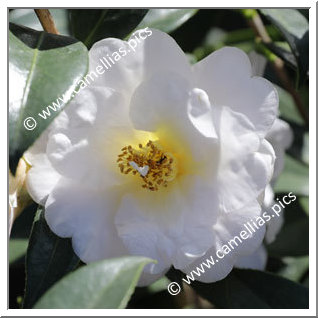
46, 20
256, 23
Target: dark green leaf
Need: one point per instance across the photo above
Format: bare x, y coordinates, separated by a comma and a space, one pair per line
49, 258
166, 20
42, 68
91, 25
28, 18
248, 289
104, 284
294, 26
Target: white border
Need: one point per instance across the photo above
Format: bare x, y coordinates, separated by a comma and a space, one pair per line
312, 156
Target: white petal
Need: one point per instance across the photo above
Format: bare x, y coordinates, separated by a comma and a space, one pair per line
246, 162
268, 197
280, 136
166, 104
216, 272
180, 218
73, 211
230, 225
256, 260
141, 235
228, 228
139, 59
89, 143
34, 154
41, 179
226, 76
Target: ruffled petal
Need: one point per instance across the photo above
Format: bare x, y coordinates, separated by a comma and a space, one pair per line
144, 54
228, 241
246, 161
226, 75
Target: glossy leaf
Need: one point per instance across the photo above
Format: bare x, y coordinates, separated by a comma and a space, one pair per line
92, 25
49, 258
166, 20
42, 68
251, 289
104, 284
295, 28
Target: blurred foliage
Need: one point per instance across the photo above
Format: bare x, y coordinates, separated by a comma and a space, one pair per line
199, 33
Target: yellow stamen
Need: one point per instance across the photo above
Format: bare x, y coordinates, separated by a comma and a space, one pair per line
155, 166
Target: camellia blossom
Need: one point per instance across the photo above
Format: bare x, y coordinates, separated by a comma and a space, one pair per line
159, 158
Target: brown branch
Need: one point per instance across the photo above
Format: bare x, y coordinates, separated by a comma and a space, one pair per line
257, 25
46, 20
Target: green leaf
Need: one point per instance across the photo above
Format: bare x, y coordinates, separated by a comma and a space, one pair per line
294, 26
17, 249
295, 177
104, 284
166, 20
90, 26
28, 18
250, 289
48, 259
42, 68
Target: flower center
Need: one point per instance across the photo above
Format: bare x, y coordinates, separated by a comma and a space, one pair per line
155, 166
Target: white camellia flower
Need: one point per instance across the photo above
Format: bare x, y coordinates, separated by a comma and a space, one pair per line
159, 158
